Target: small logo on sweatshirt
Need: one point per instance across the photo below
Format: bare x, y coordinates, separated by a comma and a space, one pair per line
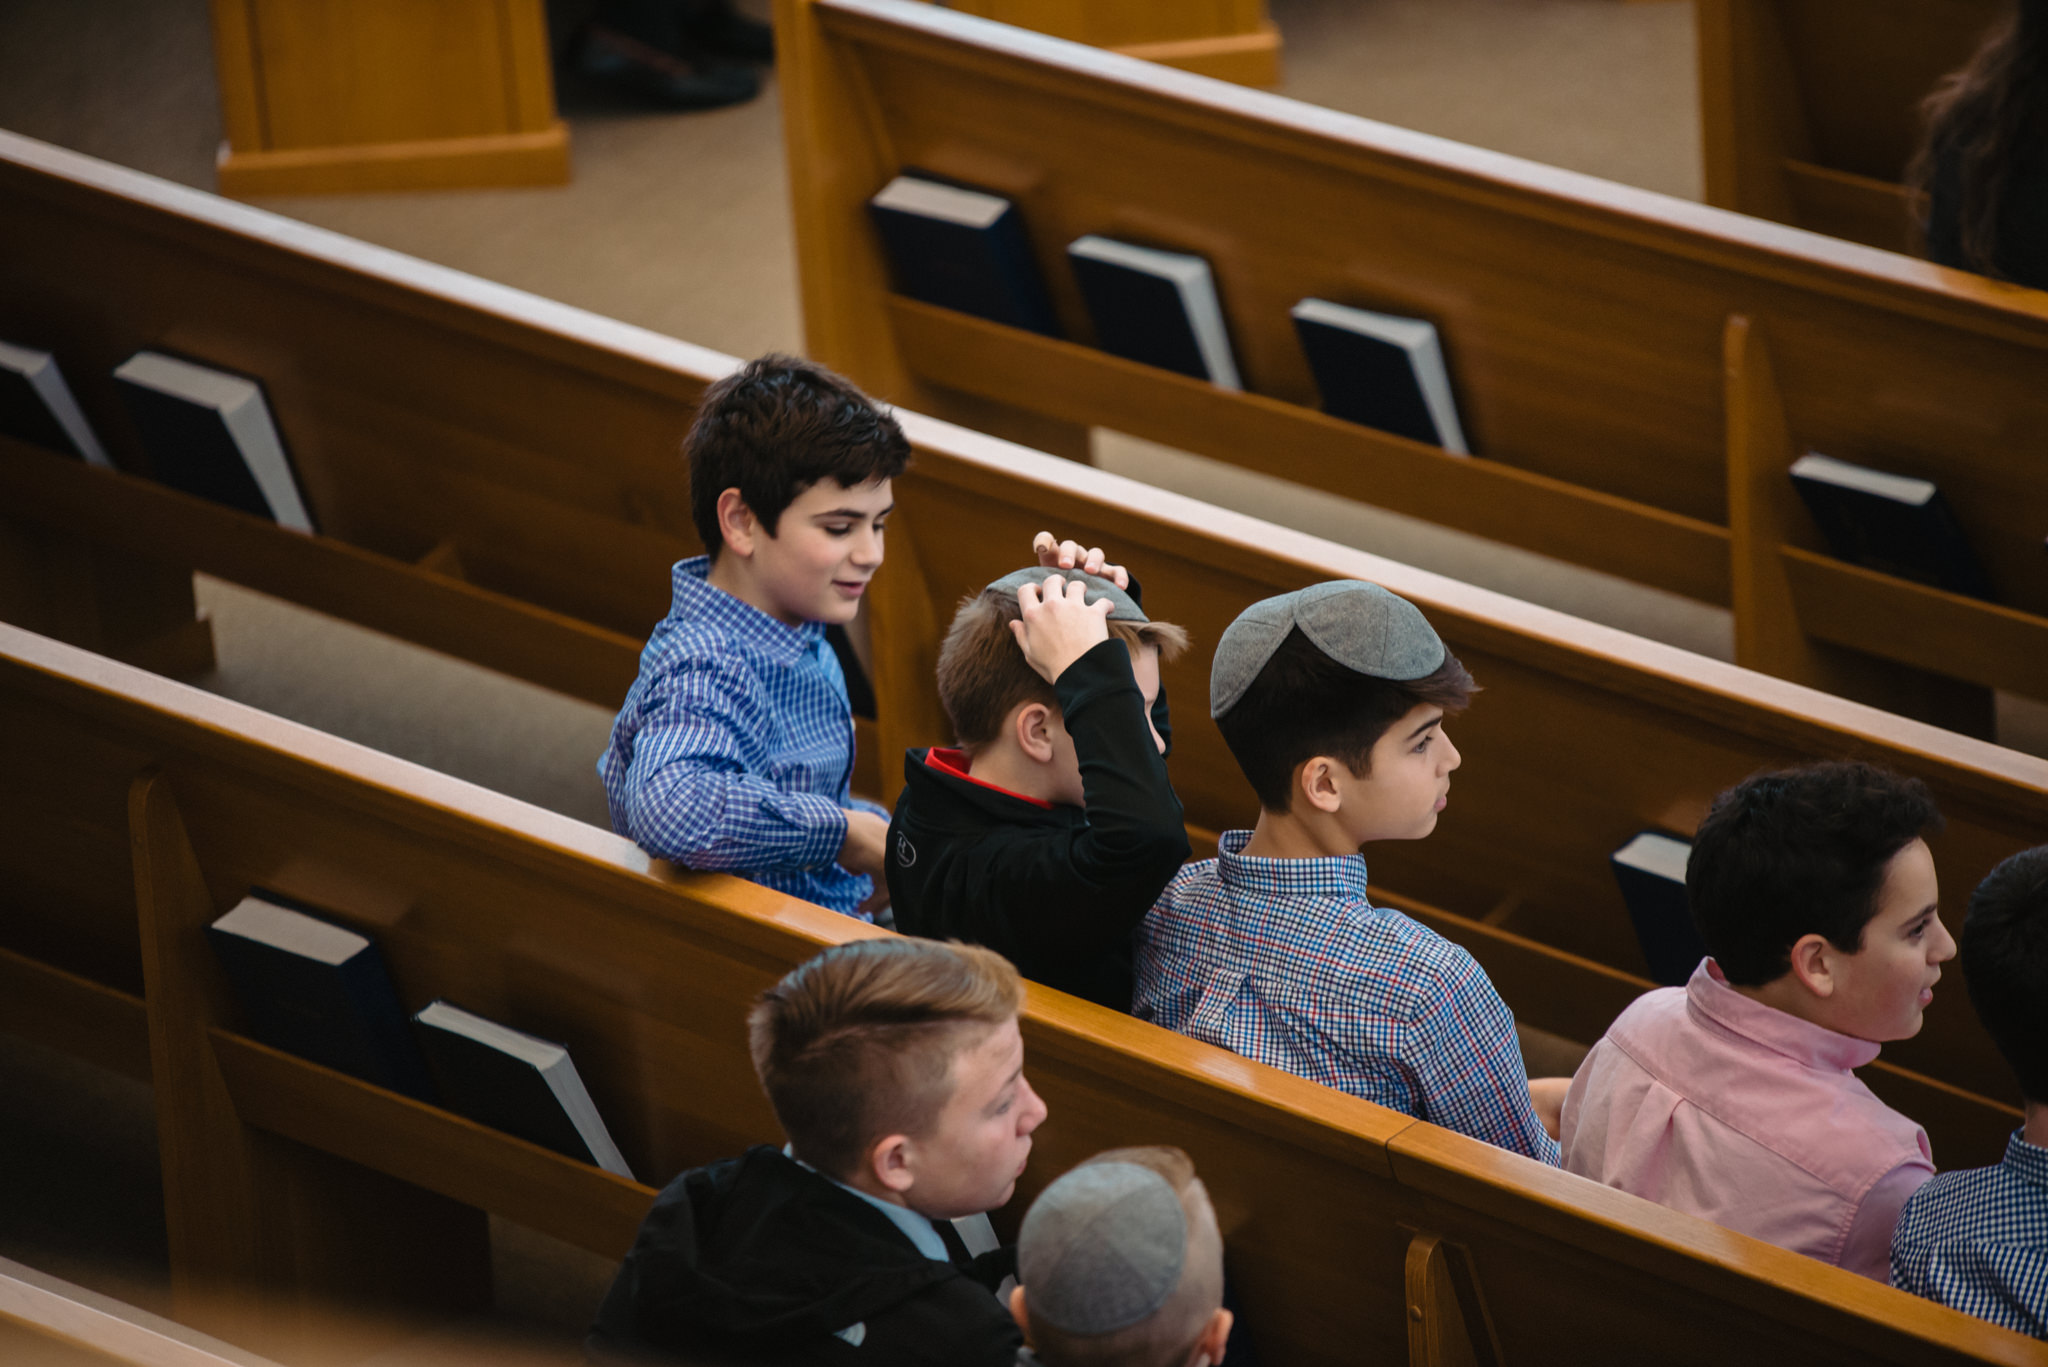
906, 853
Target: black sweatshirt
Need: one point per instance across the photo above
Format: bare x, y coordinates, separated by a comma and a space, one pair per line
1056, 890
759, 1260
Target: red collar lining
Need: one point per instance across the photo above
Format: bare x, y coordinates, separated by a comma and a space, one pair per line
954, 762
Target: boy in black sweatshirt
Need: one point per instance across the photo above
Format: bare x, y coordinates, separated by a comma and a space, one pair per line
1050, 831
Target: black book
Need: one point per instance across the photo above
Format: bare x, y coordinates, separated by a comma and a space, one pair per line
1380, 370
515, 1082
318, 990
962, 249
1156, 307
36, 406
1893, 524
209, 433
1651, 871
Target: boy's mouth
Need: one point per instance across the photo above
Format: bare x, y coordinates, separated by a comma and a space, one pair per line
852, 588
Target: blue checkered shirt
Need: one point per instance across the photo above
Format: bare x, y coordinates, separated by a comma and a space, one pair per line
1286, 962
735, 747
1978, 1240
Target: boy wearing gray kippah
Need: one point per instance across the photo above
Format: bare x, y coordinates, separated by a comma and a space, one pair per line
1332, 699
1120, 1264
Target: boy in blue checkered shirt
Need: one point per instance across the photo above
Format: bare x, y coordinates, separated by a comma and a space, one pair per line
1332, 699
734, 750
1978, 1240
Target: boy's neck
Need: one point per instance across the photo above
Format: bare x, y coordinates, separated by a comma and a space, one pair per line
1004, 766
1287, 835
733, 574
2036, 1132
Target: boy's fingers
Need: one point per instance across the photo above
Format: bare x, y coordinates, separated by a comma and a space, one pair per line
1070, 554
1117, 575
1093, 563
1043, 543
1017, 630
1027, 595
1077, 593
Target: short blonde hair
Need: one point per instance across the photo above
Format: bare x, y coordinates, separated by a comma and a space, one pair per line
857, 1043
983, 673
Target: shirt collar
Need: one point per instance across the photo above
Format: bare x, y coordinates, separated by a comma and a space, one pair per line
1341, 875
915, 1227
1709, 996
2028, 1162
697, 601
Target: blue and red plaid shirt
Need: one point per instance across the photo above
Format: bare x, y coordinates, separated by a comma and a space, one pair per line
1286, 962
734, 750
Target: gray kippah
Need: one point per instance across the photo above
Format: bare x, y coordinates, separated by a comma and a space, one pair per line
1102, 1248
1359, 625
1122, 607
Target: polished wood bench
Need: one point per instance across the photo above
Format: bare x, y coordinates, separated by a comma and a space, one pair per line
1635, 372
45, 1322
1232, 40
295, 1192
496, 478
1809, 109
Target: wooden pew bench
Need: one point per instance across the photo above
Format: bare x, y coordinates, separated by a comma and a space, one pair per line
1611, 348
45, 1322
529, 449
293, 1192
1809, 109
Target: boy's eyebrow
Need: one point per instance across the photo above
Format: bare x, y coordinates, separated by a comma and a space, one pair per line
1433, 721
854, 513
1003, 1091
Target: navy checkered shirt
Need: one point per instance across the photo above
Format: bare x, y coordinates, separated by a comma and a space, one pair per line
1286, 962
734, 750
1978, 1240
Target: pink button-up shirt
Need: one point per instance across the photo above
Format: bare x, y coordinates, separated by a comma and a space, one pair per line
1709, 1102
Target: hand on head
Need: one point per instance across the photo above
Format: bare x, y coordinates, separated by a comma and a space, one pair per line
1055, 554
1057, 624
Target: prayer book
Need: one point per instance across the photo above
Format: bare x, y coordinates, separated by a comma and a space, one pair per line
1156, 307
1893, 524
36, 406
1380, 370
209, 433
1650, 869
963, 249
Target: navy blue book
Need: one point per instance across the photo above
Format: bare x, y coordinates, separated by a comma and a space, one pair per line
515, 1082
962, 249
1651, 871
1893, 524
1380, 370
1159, 308
318, 990
209, 433
36, 406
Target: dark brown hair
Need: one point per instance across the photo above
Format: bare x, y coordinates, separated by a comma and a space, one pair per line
1977, 126
775, 427
1305, 704
857, 1043
983, 673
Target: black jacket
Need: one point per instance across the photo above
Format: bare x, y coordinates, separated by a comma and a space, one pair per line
759, 1260
1056, 891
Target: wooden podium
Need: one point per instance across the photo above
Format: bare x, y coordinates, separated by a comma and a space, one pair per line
1233, 40
347, 95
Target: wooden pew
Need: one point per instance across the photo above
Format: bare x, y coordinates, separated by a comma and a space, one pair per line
529, 449
1809, 109
48, 1323
1232, 40
1620, 357
296, 1193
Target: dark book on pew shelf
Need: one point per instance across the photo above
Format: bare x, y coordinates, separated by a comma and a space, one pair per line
1380, 370
36, 406
318, 990
1156, 307
1894, 524
962, 249
209, 433
515, 1082
1651, 871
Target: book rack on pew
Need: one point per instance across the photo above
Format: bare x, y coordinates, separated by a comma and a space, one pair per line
497, 479
294, 1192
1809, 109
1590, 327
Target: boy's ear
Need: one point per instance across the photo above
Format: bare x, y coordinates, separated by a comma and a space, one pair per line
737, 524
1017, 1314
1032, 726
1316, 782
889, 1162
1813, 965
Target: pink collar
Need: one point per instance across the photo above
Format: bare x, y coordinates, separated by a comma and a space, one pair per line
1718, 1006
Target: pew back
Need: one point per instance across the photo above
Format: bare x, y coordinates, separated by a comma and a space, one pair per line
291, 1187
1584, 322
483, 400
1809, 109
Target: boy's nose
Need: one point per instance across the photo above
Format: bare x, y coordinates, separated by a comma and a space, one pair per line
1454, 758
1944, 947
867, 548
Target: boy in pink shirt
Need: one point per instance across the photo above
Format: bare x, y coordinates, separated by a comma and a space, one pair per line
1733, 1098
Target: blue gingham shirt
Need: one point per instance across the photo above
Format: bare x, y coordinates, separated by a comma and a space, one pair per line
1977, 1241
735, 747
1286, 962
